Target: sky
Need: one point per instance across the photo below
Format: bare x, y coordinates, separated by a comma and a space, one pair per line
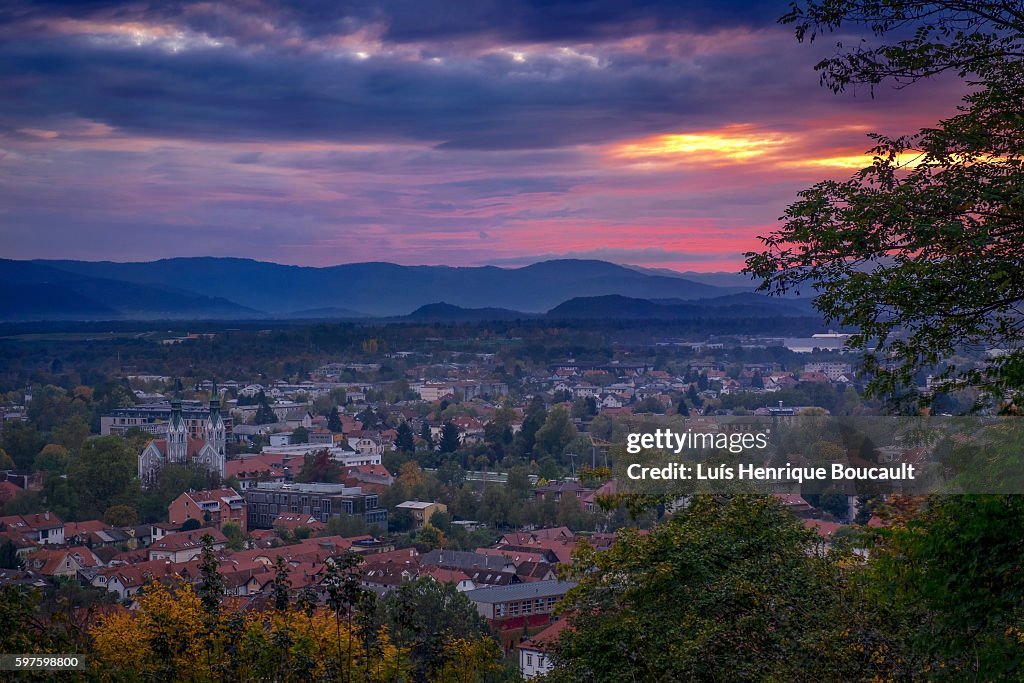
658, 133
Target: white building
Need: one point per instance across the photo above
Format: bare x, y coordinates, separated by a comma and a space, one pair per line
534, 654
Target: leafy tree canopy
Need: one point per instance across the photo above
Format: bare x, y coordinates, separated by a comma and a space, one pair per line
922, 252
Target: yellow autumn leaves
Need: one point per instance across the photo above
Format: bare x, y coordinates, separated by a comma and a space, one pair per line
170, 637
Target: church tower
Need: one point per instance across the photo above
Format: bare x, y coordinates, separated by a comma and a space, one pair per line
216, 433
177, 435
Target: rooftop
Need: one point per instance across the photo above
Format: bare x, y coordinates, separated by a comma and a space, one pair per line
520, 591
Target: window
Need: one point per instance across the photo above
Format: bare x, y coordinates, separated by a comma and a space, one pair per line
529, 660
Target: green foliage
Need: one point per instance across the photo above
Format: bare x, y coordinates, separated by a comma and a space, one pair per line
233, 532
920, 252
6, 462
22, 442
956, 570
556, 432
428, 538
9, 555
729, 588
101, 476
264, 414
53, 459
405, 440
211, 585
300, 435
449, 442
334, 421
318, 466
423, 615
121, 516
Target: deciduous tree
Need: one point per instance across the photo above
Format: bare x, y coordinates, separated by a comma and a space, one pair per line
922, 251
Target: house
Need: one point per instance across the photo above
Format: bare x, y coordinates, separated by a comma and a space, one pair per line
214, 507
22, 546
466, 561
421, 511
462, 582
252, 470
299, 417
557, 488
42, 527
62, 561
367, 445
292, 521
185, 545
97, 534
534, 654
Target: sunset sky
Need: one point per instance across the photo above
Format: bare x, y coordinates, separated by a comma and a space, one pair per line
662, 133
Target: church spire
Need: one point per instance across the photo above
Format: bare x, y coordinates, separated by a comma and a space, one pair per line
216, 434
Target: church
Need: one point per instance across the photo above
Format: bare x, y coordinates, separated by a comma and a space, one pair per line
179, 446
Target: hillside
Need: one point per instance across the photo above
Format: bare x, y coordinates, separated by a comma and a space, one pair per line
238, 287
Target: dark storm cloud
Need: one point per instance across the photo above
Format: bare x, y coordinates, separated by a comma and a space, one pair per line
318, 131
423, 20
491, 102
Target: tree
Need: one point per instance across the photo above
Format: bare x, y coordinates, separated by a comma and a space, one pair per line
319, 467
211, 588
334, 421
922, 251
9, 555
727, 588
6, 462
72, 434
449, 442
264, 414
954, 571
104, 475
121, 516
172, 637
404, 439
53, 459
22, 442
429, 537
423, 616
300, 435
233, 532
556, 432
427, 435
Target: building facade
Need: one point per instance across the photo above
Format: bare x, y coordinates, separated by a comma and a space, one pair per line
321, 501
180, 447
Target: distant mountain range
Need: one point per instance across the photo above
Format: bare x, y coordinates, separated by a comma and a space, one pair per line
230, 288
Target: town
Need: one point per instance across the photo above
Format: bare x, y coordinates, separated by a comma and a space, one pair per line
482, 471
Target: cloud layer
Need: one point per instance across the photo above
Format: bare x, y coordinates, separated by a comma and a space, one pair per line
657, 133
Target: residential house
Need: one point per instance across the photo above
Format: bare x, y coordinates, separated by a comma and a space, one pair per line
421, 511
214, 507
42, 527
62, 561
185, 545
535, 653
